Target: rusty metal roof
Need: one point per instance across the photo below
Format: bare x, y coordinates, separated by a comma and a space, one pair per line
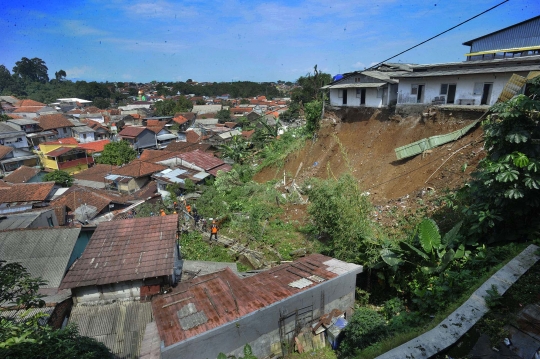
126, 250
209, 301
205, 160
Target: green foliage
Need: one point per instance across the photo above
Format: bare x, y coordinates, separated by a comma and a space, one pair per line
393, 307
117, 153
274, 153
33, 70
237, 149
171, 107
340, 215
313, 113
193, 247
504, 197
323, 353
310, 86
61, 178
365, 327
292, 112
248, 354
18, 287
492, 297
223, 116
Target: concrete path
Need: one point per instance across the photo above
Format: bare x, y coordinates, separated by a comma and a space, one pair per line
463, 318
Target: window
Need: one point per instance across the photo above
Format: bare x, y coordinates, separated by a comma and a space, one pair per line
50, 221
19, 139
65, 130
414, 89
361, 93
444, 89
84, 136
340, 93
478, 88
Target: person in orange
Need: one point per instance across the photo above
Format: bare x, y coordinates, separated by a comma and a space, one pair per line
162, 212
188, 208
213, 230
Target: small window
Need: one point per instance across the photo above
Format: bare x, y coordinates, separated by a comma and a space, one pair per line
84, 136
50, 221
478, 88
65, 130
444, 89
19, 139
414, 89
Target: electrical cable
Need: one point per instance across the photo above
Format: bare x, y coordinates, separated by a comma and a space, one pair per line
431, 38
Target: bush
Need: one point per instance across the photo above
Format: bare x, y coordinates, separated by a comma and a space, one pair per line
366, 327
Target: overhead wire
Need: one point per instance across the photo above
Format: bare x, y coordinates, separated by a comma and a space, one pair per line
433, 37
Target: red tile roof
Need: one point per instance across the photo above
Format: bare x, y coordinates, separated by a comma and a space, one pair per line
139, 168
95, 173
15, 117
153, 122
4, 184
223, 297
157, 127
131, 131
26, 192
62, 151
24, 103
22, 174
186, 147
4, 150
62, 141
96, 146
51, 122
125, 250
180, 119
157, 155
76, 196
189, 115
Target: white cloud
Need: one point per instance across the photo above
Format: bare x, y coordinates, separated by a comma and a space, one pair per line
78, 71
79, 28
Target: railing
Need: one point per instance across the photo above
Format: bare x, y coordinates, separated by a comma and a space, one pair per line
77, 162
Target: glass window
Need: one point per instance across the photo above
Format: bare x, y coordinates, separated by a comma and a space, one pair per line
444, 89
414, 89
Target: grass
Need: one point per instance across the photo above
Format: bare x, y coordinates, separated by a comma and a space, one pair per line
400, 338
323, 353
193, 247
274, 153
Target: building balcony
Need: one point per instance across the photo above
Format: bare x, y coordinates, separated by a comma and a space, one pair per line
75, 163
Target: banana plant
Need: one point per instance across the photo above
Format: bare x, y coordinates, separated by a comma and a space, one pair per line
427, 250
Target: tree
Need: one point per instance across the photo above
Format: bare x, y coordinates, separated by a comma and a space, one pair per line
117, 153
310, 86
60, 75
171, 107
223, 115
200, 102
33, 70
7, 83
244, 101
366, 327
61, 178
313, 113
503, 199
29, 338
102, 103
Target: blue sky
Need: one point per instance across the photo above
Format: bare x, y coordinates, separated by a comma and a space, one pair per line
230, 40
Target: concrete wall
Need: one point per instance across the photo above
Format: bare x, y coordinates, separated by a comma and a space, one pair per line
353, 100
122, 290
81, 139
464, 89
261, 328
61, 133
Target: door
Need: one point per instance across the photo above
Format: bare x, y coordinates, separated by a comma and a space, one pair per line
344, 96
486, 94
451, 97
420, 94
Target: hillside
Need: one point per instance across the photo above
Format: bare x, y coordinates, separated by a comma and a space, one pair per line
368, 137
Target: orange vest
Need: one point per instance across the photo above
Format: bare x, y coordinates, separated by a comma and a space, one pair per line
214, 229
188, 208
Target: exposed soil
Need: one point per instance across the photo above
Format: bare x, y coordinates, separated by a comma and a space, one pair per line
364, 142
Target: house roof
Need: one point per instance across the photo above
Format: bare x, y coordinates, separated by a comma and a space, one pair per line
29, 102
43, 252
62, 151
15, 117
212, 300
6, 127
21, 121
186, 147
96, 173
95, 146
83, 129
224, 167
4, 184
138, 169
157, 128
77, 196
157, 155
22, 174
189, 115
26, 192
205, 160
131, 131
125, 323
21, 220
469, 43
470, 71
125, 250
51, 122
62, 141
4, 150
179, 119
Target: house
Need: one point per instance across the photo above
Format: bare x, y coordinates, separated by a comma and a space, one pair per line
21, 197
178, 175
33, 219
101, 132
126, 259
132, 176
138, 137
94, 177
11, 135
95, 148
202, 160
28, 108
58, 123
187, 147
25, 124
13, 158
83, 134
491, 62
374, 88
66, 157
263, 310
83, 204
163, 136
24, 174
48, 253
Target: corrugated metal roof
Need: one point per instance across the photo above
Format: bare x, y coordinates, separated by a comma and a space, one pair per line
43, 252
21, 314
471, 71
120, 326
126, 250
20, 220
212, 300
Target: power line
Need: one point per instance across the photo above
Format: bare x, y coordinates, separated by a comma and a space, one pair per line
431, 38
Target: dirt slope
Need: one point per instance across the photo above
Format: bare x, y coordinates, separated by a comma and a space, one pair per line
369, 137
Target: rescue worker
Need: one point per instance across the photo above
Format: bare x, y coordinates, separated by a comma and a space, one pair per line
213, 230
188, 208
175, 205
162, 212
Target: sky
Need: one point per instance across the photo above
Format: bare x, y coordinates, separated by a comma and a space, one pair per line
233, 40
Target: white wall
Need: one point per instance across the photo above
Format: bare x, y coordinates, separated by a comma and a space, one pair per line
353, 101
122, 290
17, 141
89, 137
464, 88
